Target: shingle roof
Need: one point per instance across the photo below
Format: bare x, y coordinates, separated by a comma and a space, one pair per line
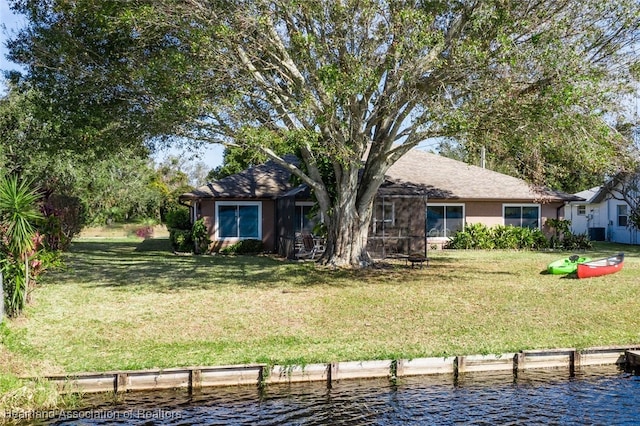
445, 178
590, 195
415, 172
268, 180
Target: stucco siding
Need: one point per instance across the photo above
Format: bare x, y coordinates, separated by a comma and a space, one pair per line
486, 212
402, 229
207, 211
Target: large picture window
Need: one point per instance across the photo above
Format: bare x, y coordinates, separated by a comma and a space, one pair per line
444, 220
238, 220
522, 216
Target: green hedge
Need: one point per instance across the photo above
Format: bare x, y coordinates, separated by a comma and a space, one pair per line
244, 247
481, 237
181, 240
193, 238
178, 219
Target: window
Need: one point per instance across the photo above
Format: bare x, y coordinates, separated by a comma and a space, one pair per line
304, 221
444, 220
384, 215
522, 216
385, 212
623, 215
238, 220
582, 210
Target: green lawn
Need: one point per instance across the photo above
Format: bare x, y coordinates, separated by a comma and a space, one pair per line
127, 304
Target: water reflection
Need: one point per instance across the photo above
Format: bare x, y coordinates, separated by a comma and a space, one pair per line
599, 396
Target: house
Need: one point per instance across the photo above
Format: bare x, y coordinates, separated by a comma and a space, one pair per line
601, 216
425, 199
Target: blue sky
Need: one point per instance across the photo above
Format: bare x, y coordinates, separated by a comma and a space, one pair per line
10, 23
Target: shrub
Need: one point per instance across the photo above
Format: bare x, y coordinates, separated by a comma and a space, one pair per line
479, 236
144, 232
505, 237
178, 219
474, 236
200, 236
244, 247
181, 240
564, 239
44, 260
576, 242
530, 239
64, 217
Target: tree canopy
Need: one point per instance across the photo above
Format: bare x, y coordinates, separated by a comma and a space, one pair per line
357, 83
124, 185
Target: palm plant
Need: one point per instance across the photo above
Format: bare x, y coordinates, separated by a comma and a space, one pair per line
18, 214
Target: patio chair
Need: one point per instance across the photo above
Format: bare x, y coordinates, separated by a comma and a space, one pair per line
310, 247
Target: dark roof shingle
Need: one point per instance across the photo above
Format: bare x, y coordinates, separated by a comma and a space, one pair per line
268, 180
416, 172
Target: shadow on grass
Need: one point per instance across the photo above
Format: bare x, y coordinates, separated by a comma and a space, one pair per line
152, 265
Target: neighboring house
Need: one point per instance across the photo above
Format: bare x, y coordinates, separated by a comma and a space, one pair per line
601, 216
425, 198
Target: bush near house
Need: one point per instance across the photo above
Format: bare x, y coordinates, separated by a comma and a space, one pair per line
244, 247
184, 236
481, 237
179, 225
564, 239
181, 240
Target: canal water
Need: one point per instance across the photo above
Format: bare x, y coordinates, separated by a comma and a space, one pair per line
593, 396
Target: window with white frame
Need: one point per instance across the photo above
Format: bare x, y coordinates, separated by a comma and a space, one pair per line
623, 214
444, 220
238, 220
522, 216
582, 210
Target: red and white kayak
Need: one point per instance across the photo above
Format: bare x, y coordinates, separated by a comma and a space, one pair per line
599, 267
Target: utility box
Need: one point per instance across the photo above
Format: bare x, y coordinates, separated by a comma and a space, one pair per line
597, 234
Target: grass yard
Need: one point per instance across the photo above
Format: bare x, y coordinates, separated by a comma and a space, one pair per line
131, 304
127, 304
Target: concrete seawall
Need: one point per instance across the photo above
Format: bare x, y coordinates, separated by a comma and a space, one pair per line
194, 378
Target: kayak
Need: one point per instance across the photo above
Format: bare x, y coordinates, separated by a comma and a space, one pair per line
599, 267
568, 265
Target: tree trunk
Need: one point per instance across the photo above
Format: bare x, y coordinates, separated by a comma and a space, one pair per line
348, 227
347, 241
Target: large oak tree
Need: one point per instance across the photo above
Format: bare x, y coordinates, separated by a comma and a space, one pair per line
354, 82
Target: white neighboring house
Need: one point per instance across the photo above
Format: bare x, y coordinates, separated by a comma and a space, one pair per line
601, 216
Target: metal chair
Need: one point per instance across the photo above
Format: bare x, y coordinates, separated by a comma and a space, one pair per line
310, 247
